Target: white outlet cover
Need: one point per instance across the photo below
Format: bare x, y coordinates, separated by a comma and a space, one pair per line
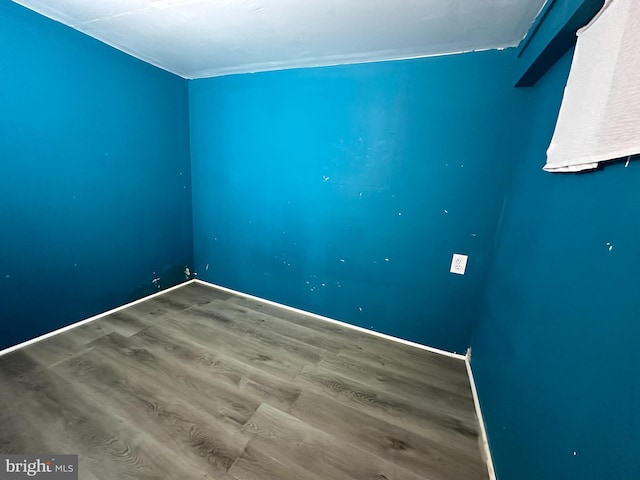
459, 264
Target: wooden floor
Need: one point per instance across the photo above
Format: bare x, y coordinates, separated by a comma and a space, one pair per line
199, 384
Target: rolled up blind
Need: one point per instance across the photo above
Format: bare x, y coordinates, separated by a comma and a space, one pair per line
599, 118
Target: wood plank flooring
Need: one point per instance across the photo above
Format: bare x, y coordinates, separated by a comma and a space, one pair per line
201, 384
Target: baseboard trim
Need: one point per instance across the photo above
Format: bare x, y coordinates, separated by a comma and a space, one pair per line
484, 439
87, 320
337, 322
242, 294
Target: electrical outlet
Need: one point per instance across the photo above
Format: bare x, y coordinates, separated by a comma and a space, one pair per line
459, 263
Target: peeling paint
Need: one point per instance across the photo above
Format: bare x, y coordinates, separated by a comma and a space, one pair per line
625, 166
342, 260
325, 178
446, 211
207, 267
608, 244
187, 273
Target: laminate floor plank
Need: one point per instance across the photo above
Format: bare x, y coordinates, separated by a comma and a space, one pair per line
243, 318
299, 318
420, 417
129, 322
360, 344
201, 294
56, 417
255, 464
55, 349
441, 456
269, 357
18, 435
199, 383
16, 363
191, 433
397, 360
218, 368
292, 441
235, 329
205, 392
367, 364
456, 398
261, 359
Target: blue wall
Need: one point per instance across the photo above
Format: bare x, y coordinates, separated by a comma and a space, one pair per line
554, 354
94, 176
346, 190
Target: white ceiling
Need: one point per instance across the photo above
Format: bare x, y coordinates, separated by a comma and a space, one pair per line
205, 38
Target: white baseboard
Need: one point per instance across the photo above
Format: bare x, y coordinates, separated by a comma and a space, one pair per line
337, 322
87, 320
242, 294
484, 440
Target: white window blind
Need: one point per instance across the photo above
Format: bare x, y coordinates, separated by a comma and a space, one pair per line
599, 117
